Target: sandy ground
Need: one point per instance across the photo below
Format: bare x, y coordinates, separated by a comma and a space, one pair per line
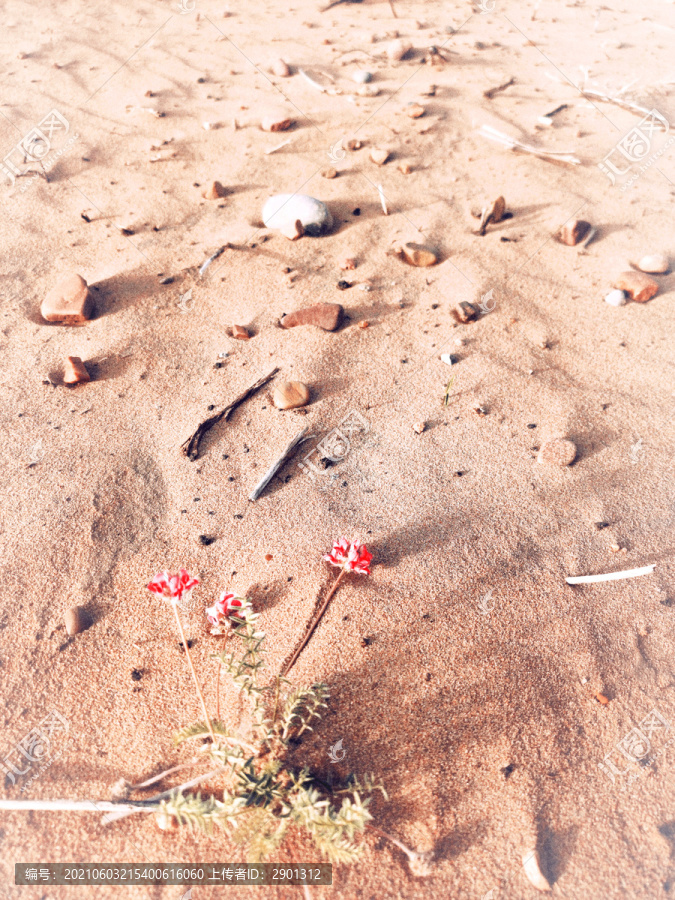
474, 700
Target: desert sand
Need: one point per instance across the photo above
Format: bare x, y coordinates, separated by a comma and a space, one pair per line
475, 696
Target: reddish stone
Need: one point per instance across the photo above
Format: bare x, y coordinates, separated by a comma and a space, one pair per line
75, 371
324, 315
69, 303
637, 285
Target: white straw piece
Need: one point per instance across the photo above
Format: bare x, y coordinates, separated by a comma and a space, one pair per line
279, 146
382, 200
611, 576
567, 156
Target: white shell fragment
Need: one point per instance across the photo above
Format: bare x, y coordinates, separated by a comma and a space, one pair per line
448, 359
283, 210
616, 298
533, 872
655, 265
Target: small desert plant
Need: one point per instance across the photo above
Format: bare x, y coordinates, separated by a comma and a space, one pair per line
265, 795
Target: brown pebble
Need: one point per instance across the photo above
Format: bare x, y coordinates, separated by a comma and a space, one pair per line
75, 371
405, 167
268, 557
498, 209
275, 123
378, 156
69, 302
418, 255
415, 111
559, 452
602, 699
240, 333
348, 263
354, 144
329, 173
280, 68
465, 312
637, 285
214, 191
419, 427
290, 395
574, 231
294, 231
76, 619
364, 323
324, 315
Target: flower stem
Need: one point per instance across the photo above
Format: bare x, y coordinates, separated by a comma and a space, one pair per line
194, 674
310, 630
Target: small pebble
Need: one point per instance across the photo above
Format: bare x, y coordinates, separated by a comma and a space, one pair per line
465, 312
290, 395
616, 298
268, 557
75, 371
214, 191
329, 173
282, 211
276, 123
327, 316
415, 111
240, 333
280, 68
398, 49
419, 427
418, 255
574, 231
559, 452
76, 620
343, 285
656, 265
378, 156
354, 144
405, 167
448, 359
364, 323
362, 76
601, 698
69, 302
637, 285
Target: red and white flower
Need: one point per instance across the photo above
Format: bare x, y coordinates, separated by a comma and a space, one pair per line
349, 556
223, 609
172, 586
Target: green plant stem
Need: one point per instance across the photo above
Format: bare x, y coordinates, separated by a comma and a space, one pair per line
310, 631
194, 674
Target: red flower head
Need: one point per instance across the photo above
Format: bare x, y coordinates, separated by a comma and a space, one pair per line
172, 586
352, 557
227, 606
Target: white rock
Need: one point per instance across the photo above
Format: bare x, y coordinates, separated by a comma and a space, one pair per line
368, 90
448, 359
616, 298
655, 265
283, 210
362, 76
397, 49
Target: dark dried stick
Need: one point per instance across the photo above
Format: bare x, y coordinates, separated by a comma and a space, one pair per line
274, 468
492, 92
190, 447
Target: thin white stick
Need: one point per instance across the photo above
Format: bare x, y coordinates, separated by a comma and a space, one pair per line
559, 155
611, 576
279, 146
382, 200
625, 104
76, 806
278, 463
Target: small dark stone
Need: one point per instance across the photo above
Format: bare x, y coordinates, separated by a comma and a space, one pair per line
182, 648
366, 641
168, 280
238, 516
600, 525
457, 474
206, 539
427, 677
531, 426
218, 365
211, 406
434, 305
343, 285
508, 770
230, 477
356, 212
136, 674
